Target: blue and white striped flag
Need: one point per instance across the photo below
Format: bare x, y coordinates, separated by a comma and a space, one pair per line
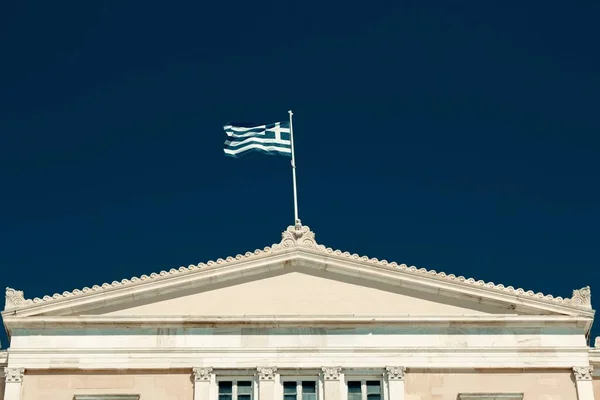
270, 138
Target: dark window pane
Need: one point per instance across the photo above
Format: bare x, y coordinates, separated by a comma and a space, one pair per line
289, 387
225, 387
309, 390
289, 397
354, 387
354, 391
244, 397
373, 387
225, 397
244, 387
309, 387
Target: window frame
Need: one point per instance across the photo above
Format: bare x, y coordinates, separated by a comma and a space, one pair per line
106, 397
298, 376
234, 379
490, 396
363, 379
298, 379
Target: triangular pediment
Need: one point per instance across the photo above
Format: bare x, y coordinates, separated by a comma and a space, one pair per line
302, 291
298, 277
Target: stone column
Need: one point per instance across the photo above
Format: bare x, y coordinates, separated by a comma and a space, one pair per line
395, 380
14, 383
331, 383
266, 383
202, 381
583, 381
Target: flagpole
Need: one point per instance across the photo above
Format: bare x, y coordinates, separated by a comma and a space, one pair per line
296, 219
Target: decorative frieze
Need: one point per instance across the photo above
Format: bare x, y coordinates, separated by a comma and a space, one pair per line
331, 373
583, 373
202, 374
14, 375
266, 373
395, 373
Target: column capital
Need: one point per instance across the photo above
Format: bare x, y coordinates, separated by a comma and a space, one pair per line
202, 374
266, 373
14, 375
395, 373
583, 373
331, 373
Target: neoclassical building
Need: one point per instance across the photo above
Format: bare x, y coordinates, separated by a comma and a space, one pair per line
299, 321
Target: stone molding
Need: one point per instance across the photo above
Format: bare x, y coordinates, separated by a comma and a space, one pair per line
583, 373
300, 236
186, 358
14, 375
266, 373
14, 298
582, 297
202, 374
331, 373
395, 373
296, 236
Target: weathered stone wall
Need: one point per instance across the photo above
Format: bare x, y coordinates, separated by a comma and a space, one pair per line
538, 384
150, 386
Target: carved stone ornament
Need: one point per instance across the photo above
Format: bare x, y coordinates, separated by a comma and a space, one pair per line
331, 373
14, 375
597, 342
583, 373
395, 373
14, 298
297, 236
202, 374
266, 373
582, 297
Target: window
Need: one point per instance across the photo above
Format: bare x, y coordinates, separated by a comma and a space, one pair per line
490, 396
235, 390
364, 390
106, 397
299, 390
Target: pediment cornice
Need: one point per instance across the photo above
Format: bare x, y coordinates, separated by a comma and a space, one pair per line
298, 245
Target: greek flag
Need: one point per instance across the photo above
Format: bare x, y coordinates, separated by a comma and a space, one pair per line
270, 138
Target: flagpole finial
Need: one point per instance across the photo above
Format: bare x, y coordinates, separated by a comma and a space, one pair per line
290, 112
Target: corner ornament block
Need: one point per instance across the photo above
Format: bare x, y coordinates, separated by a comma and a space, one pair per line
296, 236
395, 373
14, 298
14, 375
582, 297
266, 373
202, 374
583, 373
331, 373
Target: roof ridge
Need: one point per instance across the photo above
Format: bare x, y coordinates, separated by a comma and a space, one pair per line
295, 236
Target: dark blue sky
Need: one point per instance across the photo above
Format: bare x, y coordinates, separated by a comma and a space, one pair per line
457, 136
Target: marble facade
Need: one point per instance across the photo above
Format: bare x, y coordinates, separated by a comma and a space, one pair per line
297, 319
